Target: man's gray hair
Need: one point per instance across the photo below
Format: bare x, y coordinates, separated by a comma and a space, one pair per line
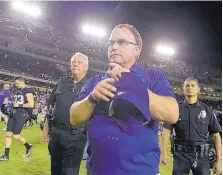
191, 79
83, 55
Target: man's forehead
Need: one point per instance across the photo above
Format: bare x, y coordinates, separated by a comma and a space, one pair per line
77, 58
121, 33
191, 82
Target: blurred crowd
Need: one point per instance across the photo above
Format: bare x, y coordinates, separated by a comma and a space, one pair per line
44, 94
44, 38
46, 70
34, 68
26, 36
45, 87
215, 104
179, 67
46, 34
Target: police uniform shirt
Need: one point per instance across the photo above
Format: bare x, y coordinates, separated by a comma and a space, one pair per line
195, 123
62, 97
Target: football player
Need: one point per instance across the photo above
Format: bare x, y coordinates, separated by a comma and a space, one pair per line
23, 100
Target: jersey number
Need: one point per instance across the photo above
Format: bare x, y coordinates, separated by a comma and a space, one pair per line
19, 99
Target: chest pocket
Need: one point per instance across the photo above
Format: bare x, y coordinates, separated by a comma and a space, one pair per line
59, 97
65, 96
202, 124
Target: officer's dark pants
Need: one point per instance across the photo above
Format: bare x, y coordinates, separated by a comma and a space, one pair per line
183, 162
66, 151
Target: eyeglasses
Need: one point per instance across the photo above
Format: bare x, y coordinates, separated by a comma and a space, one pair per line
120, 42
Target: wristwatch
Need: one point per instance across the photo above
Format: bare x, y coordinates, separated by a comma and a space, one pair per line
219, 158
91, 99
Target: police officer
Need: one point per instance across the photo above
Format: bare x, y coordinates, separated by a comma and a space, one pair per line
23, 100
196, 122
66, 144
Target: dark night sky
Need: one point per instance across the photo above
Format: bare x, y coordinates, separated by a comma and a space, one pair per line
194, 27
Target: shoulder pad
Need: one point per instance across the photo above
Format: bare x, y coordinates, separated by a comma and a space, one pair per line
29, 90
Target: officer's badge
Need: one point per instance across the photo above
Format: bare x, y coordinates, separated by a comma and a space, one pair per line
202, 114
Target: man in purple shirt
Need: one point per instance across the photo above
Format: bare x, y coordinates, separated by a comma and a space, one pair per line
112, 151
4, 97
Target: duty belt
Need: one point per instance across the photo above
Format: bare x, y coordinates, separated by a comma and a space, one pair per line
201, 149
68, 127
187, 148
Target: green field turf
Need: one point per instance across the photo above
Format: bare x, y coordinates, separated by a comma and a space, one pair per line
39, 160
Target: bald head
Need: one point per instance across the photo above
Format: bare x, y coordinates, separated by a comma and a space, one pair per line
6, 86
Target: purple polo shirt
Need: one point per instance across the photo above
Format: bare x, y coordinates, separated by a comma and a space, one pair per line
133, 152
4, 94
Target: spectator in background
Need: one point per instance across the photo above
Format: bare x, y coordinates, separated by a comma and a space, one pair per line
4, 98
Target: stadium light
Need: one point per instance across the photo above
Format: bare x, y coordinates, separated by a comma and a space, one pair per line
164, 50
92, 30
29, 9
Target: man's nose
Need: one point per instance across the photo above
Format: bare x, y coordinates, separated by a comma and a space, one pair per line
115, 46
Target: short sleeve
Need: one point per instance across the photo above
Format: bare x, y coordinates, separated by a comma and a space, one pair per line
168, 126
214, 126
88, 87
161, 85
52, 97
